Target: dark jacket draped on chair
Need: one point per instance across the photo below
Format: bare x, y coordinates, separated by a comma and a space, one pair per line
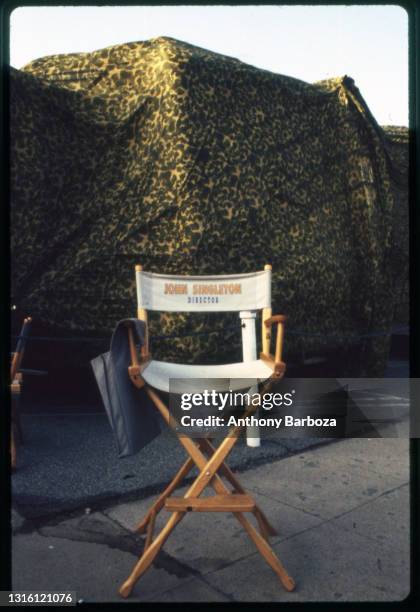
131, 414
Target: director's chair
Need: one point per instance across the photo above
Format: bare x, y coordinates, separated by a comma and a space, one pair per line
243, 293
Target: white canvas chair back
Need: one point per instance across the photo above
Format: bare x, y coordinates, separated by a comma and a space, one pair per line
243, 293
224, 293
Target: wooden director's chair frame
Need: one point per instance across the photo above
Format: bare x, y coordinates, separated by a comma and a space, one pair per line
210, 461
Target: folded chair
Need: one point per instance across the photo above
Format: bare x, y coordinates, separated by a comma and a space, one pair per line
243, 293
16, 387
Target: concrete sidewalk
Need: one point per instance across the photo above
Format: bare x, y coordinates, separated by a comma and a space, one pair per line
342, 512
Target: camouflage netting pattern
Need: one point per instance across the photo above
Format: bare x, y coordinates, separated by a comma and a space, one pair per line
187, 161
397, 145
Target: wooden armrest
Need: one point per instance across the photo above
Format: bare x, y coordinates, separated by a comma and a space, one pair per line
275, 319
136, 378
280, 321
278, 368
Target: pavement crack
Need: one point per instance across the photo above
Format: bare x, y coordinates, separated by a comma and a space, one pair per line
99, 529
367, 502
216, 588
286, 503
324, 521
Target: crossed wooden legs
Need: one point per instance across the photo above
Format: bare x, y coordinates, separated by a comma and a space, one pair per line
224, 500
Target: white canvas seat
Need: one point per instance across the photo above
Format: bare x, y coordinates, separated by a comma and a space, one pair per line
230, 376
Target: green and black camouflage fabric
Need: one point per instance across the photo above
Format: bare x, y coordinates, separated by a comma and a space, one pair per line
397, 145
187, 161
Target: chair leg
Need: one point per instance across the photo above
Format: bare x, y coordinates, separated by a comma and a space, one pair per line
206, 474
150, 528
13, 448
259, 540
267, 552
150, 553
266, 529
160, 502
265, 526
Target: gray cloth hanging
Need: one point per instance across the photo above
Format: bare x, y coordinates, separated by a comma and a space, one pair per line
130, 411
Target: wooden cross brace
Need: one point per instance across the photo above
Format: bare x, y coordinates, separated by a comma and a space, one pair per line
237, 501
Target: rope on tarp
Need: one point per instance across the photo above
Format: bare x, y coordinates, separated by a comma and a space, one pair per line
293, 332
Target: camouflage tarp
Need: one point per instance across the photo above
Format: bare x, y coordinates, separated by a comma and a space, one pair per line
396, 143
187, 161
